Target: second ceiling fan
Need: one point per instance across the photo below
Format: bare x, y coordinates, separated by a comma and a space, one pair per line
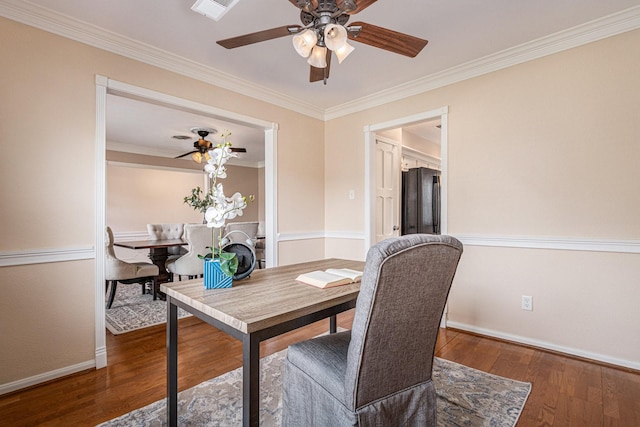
324, 30
202, 146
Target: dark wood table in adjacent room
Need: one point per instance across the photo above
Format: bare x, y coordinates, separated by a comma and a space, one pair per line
158, 254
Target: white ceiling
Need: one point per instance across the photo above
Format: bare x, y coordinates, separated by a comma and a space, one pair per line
139, 127
459, 32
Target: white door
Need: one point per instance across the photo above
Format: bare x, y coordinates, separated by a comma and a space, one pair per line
387, 189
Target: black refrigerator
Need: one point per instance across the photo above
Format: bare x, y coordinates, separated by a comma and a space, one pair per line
420, 201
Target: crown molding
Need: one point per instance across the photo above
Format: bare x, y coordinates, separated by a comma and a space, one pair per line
63, 25
139, 149
74, 29
149, 151
611, 25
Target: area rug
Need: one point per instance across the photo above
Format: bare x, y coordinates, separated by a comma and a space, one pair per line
131, 310
466, 397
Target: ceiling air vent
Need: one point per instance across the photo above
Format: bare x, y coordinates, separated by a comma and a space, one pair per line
214, 9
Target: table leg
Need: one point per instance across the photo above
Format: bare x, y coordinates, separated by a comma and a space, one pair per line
333, 324
159, 256
172, 364
250, 381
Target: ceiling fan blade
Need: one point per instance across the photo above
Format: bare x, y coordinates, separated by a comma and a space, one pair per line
185, 154
318, 74
257, 37
390, 40
360, 5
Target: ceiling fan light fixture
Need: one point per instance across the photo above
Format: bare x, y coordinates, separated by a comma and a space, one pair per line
197, 157
343, 52
304, 42
318, 57
335, 36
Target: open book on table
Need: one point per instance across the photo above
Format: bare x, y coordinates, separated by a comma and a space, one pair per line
330, 278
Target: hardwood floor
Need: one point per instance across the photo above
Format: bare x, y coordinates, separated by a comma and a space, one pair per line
565, 392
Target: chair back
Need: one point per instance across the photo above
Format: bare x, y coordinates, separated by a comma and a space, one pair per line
198, 236
248, 228
115, 268
404, 289
108, 242
167, 231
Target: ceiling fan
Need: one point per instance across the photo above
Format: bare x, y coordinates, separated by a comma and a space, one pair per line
202, 146
324, 31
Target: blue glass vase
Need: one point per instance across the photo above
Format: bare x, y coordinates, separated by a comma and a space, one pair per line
214, 278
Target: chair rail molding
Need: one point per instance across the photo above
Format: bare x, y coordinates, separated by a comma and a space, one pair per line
351, 235
43, 256
552, 242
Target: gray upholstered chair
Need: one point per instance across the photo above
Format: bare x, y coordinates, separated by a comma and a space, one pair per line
168, 231
198, 237
379, 373
124, 272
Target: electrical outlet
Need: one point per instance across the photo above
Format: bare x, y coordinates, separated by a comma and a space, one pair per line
527, 302
352, 194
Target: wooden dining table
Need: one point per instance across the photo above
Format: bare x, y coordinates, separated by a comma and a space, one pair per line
268, 303
158, 254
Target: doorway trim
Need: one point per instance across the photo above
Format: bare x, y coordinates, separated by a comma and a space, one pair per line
370, 167
105, 86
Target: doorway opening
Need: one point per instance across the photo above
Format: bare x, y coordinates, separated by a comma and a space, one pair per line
382, 218
104, 87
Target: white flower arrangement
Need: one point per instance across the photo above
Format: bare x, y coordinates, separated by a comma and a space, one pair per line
216, 206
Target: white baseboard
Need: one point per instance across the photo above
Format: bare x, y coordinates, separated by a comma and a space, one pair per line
546, 345
101, 357
47, 376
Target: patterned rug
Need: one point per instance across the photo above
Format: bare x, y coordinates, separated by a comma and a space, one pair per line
466, 397
132, 310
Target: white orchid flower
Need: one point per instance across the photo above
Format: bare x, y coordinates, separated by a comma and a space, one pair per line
227, 152
239, 202
217, 195
218, 156
221, 208
214, 218
215, 170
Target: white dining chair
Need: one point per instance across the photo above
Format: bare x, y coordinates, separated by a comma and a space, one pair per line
198, 237
168, 231
124, 272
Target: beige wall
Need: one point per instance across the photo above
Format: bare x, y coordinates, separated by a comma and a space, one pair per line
138, 195
547, 149
49, 96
